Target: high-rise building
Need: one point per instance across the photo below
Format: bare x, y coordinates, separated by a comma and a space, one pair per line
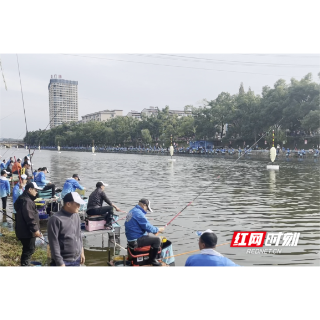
63, 101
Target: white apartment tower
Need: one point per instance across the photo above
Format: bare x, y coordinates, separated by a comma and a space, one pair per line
63, 101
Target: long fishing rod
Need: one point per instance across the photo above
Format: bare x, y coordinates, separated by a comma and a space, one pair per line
7, 116
15, 221
43, 131
205, 189
24, 109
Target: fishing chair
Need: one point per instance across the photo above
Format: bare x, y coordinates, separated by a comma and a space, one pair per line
139, 256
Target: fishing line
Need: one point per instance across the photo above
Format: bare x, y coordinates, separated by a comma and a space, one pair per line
3, 76
42, 132
241, 155
7, 116
15, 220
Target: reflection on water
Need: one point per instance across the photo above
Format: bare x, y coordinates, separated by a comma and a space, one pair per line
246, 197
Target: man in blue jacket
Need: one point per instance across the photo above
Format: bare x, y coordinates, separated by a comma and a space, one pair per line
3, 164
41, 181
4, 189
140, 232
208, 257
71, 185
18, 189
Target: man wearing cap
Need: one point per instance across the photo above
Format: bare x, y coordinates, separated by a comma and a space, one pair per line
27, 226
71, 185
64, 233
16, 166
40, 179
18, 189
140, 232
208, 257
26, 169
95, 202
4, 189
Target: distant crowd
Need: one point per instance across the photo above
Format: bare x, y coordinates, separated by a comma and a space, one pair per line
192, 150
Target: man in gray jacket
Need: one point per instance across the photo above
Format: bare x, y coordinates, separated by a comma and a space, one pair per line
64, 233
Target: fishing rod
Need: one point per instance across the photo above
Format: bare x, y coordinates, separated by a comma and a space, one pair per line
7, 116
205, 189
24, 109
42, 132
15, 221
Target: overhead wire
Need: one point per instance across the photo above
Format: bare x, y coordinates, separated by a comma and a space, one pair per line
220, 61
174, 66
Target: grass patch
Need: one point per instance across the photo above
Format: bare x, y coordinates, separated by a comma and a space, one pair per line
11, 249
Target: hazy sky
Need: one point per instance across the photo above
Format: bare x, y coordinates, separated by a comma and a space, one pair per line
137, 81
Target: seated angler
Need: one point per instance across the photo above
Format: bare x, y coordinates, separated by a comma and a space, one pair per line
95, 202
41, 181
209, 257
71, 185
8, 163
140, 232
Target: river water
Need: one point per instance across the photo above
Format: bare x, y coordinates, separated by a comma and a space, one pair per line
246, 197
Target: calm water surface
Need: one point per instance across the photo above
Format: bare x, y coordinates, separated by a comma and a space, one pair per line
246, 197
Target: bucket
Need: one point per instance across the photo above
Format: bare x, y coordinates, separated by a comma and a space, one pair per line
118, 258
119, 264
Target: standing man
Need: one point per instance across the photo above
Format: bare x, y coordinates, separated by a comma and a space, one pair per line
16, 168
4, 189
27, 226
64, 233
208, 257
140, 232
3, 164
95, 202
40, 179
71, 185
18, 189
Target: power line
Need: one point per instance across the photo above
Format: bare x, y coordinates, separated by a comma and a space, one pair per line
232, 61
168, 65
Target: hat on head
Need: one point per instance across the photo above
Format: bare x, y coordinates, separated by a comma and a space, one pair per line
209, 238
199, 233
18, 159
32, 185
147, 203
73, 197
24, 176
4, 172
100, 184
76, 176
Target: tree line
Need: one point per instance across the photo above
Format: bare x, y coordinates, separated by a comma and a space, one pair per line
289, 107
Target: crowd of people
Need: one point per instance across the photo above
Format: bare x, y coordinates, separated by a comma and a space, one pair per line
64, 227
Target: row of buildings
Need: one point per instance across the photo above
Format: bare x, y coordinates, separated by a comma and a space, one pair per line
63, 105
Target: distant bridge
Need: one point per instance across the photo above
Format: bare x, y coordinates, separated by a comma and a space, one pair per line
12, 144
